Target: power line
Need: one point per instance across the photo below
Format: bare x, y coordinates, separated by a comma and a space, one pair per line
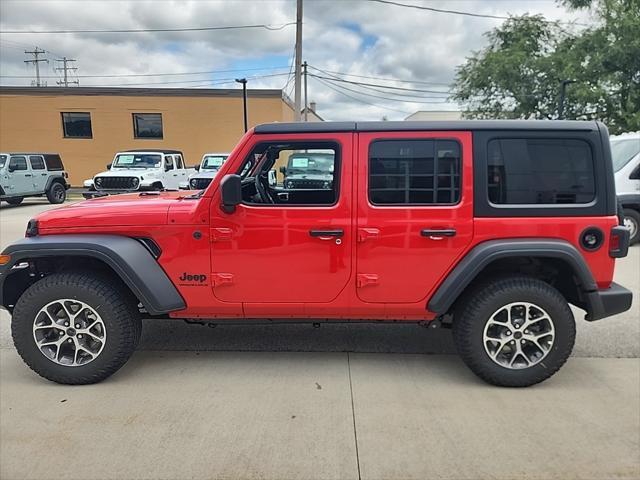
403, 89
153, 30
422, 82
126, 75
334, 88
440, 100
200, 83
440, 10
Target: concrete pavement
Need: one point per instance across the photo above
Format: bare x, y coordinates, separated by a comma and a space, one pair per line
202, 415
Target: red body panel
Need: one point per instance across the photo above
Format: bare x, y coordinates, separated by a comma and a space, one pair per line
262, 262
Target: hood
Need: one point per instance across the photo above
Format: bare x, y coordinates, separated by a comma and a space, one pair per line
205, 174
129, 172
131, 209
310, 176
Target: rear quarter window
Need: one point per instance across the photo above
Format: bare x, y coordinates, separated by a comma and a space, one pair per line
54, 163
540, 171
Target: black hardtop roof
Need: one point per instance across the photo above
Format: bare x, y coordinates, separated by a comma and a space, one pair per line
155, 150
410, 126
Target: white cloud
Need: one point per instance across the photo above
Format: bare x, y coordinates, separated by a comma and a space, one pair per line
353, 36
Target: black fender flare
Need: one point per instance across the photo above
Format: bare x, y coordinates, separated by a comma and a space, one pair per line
51, 180
483, 254
128, 258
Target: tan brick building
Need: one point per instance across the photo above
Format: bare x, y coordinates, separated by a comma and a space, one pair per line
88, 125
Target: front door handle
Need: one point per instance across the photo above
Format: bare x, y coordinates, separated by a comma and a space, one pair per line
438, 234
27, 174
322, 234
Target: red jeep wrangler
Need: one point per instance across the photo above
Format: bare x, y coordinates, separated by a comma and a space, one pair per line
491, 227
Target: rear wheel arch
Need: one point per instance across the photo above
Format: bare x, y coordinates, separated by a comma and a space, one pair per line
555, 262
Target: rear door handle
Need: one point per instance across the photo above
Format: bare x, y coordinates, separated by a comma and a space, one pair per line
27, 174
437, 234
327, 233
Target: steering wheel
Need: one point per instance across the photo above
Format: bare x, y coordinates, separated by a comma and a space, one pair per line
262, 190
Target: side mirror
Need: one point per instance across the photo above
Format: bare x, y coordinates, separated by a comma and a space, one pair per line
167, 168
10, 168
197, 167
231, 188
109, 166
283, 170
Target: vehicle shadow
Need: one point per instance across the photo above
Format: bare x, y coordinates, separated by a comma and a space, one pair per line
176, 335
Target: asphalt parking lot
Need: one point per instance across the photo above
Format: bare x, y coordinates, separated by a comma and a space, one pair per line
340, 401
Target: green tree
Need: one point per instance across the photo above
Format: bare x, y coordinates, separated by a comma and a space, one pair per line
519, 73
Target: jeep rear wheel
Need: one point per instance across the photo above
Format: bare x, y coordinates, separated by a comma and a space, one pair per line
75, 328
56, 193
632, 222
14, 200
514, 331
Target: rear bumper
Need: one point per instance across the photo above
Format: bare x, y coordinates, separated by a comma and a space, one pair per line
611, 301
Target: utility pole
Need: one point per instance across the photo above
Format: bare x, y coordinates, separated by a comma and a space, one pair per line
36, 61
306, 103
65, 69
298, 73
243, 81
563, 93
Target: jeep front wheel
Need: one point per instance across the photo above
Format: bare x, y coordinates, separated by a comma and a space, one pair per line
56, 193
75, 328
514, 331
14, 200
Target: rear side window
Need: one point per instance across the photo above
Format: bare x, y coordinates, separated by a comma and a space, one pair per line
538, 171
54, 163
37, 163
414, 172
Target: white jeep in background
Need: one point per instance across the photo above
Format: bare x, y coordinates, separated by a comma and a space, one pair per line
140, 170
625, 150
207, 170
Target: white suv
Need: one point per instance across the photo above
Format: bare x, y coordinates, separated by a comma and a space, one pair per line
32, 175
625, 150
207, 170
141, 170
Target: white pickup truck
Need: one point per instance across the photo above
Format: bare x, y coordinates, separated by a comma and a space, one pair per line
140, 170
207, 170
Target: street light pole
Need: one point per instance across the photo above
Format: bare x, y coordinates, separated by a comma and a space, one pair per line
563, 94
243, 81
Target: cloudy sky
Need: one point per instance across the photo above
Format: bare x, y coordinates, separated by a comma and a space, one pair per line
362, 41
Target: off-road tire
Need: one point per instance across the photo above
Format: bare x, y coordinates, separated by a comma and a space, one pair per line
57, 193
14, 200
632, 215
116, 307
475, 310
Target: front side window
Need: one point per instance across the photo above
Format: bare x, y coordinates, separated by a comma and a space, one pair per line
168, 162
37, 162
147, 125
18, 163
291, 174
213, 162
622, 151
535, 171
76, 125
136, 160
414, 172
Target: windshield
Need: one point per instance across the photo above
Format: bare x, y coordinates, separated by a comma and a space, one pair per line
3, 160
623, 151
136, 160
212, 162
313, 163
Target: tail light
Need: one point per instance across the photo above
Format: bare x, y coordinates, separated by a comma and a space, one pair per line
619, 242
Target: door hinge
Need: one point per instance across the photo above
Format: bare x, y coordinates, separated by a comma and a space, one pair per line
221, 234
365, 279
219, 279
365, 234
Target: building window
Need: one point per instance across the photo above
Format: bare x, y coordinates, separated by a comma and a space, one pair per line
535, 171
414, 172
76, 125
147, 125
